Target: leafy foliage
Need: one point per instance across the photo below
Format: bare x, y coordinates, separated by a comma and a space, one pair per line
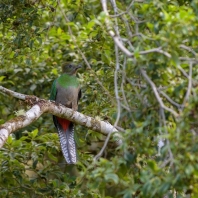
37, 36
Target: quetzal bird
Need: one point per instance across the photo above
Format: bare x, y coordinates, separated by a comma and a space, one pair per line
66, 91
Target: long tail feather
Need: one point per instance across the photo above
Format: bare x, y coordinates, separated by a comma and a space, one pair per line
67, 141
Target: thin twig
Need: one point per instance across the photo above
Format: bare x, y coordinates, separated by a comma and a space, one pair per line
115, 87
125, 12
167, 140
194, 60
189, 84
135, 84
188, 49
158, 50
183, 71
123, 82
103, 148
160, 141
154, 88
179, 106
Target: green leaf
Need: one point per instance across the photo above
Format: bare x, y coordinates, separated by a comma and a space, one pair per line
152, 164
34, 133
52, 157
59, 31
55, 71
1, 78
112, 176
127, 194
10, 139
39, 40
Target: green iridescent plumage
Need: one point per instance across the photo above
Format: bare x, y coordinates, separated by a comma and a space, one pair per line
64, 81
53, 91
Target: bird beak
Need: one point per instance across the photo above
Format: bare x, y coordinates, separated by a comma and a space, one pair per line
79, 66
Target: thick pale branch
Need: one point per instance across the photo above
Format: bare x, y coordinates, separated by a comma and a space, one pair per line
19, 122
45, 106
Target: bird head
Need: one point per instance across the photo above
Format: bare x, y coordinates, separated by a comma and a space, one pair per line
70, 68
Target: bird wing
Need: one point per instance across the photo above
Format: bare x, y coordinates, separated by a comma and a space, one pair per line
79, 94
53, 91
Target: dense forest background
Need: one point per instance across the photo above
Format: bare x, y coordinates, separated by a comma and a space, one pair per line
139, 73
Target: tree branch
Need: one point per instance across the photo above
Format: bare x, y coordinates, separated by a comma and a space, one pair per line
154, 88
12, 93
189, 84
41, 106
117, 39
115, 87
179, 106
188, 49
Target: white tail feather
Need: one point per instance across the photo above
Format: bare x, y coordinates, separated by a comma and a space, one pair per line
68, 145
